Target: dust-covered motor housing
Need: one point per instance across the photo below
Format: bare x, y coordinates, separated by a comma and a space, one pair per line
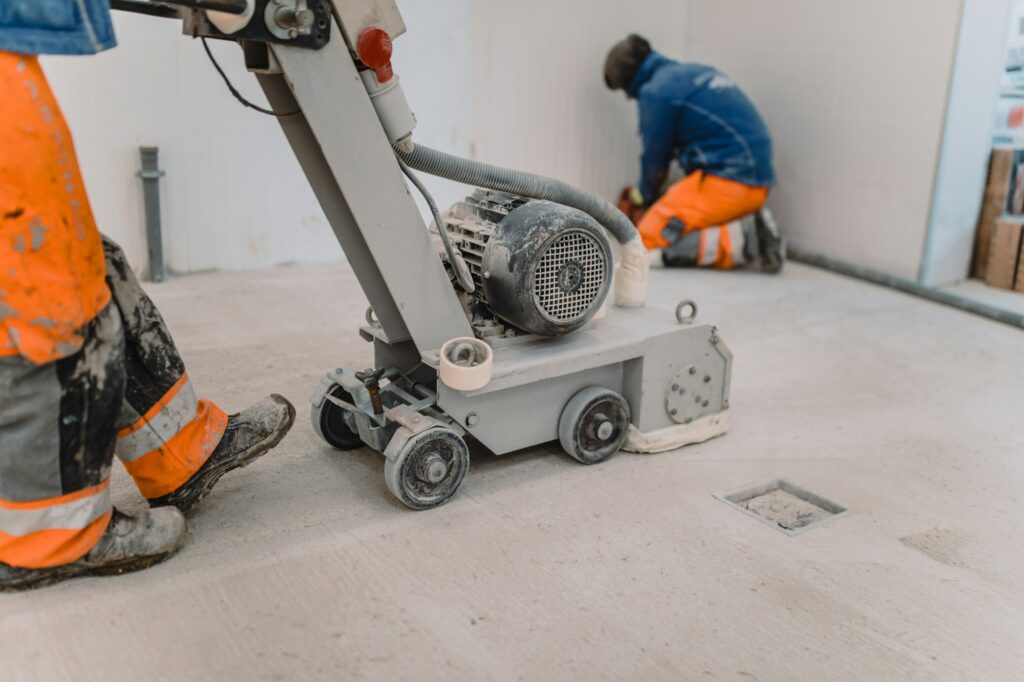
538, 267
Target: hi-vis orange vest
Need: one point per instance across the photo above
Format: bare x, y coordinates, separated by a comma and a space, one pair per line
52, 267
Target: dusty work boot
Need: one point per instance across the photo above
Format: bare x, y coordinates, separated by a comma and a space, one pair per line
249, 434
130, 543
764, 247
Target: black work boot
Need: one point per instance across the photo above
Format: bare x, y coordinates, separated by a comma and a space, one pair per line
765, 244
249, 434
130, 543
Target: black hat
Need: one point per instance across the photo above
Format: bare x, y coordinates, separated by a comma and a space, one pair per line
624, 60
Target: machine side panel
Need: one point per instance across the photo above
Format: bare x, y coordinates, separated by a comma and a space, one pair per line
695, 366
318, 173
339, 112
525, 415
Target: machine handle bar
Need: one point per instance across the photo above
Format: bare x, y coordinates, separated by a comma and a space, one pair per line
160, 8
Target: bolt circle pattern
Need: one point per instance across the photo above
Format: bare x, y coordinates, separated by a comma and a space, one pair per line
694, 392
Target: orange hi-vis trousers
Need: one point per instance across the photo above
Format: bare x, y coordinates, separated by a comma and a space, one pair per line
707, 203
87, 366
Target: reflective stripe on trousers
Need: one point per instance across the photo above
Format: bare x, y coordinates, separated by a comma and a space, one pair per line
160, 424
722, 246
710, 241
168, 444
54, 531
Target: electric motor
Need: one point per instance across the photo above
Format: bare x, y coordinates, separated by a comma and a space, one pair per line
538, 266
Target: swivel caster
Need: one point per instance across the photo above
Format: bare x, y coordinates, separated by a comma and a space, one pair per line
594, 425
335, 425
428, 469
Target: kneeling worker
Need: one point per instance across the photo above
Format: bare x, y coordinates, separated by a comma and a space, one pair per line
699, 116
87, 367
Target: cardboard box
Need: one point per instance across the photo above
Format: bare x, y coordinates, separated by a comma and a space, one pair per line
1004, 253
996, 201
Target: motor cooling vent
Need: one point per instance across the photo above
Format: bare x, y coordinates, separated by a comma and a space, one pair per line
569, 277
539, 267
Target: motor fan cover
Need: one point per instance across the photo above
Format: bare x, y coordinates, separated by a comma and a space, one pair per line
546, 268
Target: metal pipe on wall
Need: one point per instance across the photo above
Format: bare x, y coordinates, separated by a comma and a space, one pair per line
151, 175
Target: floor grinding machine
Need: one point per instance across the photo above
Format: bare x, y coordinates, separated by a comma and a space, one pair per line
493, 322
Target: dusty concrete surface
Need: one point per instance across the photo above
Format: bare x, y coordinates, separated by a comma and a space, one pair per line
303, 567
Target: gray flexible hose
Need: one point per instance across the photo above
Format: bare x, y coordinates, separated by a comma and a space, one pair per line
479, 174
464, 277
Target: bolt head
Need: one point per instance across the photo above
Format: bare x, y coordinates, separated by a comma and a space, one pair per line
605, 430
433, 470
675, 387
471, 419
693, 370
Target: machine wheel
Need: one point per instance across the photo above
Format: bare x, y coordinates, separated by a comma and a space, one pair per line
429, 469
594, 425
335, 424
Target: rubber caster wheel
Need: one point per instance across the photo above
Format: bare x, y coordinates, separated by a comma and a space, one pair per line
594, 425
429, 469
334, 424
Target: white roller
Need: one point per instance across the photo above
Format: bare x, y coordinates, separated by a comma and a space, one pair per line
228, 23
466, 370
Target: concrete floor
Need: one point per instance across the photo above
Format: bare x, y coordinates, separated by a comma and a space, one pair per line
302, 566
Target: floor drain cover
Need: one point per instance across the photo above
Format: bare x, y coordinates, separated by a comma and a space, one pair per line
783, 505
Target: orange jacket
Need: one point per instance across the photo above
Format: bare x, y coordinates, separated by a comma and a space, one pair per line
52, 266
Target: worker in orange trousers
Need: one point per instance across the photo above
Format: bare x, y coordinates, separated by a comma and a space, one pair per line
87, 366
696, 115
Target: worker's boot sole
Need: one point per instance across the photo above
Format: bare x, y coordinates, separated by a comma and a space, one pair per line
130, 542
199, 486
21, 580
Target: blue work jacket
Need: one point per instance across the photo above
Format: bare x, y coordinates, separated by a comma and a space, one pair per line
696, 114
55, 26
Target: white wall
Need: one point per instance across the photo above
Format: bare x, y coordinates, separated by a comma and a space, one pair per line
539, 97
517, 84
854, 92
233, 196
